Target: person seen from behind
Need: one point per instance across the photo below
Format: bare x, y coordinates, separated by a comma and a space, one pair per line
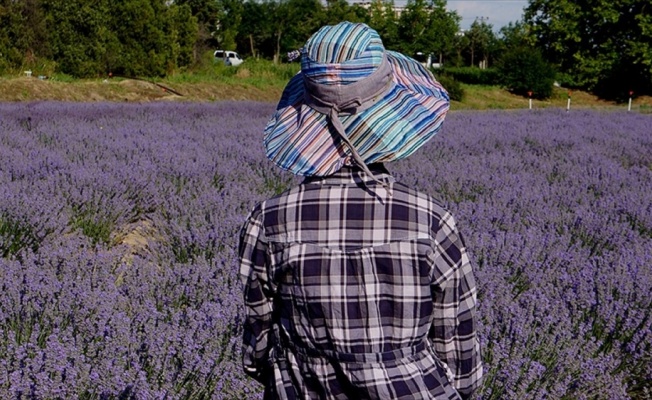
355, 285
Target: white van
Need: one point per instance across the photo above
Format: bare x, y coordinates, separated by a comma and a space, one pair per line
228, 57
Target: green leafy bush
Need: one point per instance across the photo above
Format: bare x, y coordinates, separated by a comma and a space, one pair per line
454, 88
524, 70
566, 80
474, 75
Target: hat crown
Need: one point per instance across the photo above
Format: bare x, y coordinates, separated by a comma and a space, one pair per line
342, 54
306, 134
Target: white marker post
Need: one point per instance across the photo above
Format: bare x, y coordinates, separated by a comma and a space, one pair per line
529, 93
629, 106
569, 101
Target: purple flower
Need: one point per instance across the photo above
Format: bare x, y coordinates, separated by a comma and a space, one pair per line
118, 224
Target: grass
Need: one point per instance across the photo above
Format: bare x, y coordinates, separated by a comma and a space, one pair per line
258, 80
484, 97
481, 97
258, 73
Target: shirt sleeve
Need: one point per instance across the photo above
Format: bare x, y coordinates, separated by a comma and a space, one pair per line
258, 297
453, 332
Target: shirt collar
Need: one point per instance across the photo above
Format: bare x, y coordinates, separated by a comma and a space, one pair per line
352, 175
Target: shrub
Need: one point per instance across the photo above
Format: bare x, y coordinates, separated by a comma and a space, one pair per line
566, 80
454, 88
523, 70
474, 75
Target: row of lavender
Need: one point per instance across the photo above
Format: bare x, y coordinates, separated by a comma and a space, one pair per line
556, 209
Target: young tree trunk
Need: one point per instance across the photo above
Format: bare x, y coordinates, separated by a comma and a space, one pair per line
251, 44
277, 53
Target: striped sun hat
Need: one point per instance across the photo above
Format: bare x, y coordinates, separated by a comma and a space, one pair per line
353, 103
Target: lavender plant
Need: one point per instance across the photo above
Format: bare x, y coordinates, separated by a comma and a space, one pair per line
555, 208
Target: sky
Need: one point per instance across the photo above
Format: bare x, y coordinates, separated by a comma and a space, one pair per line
495, 12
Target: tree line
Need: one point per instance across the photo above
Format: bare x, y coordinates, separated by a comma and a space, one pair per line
89, 39
603, 46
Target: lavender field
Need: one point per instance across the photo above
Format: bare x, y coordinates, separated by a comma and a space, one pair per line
119, 223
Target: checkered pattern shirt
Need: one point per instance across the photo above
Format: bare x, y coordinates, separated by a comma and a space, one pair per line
351, 292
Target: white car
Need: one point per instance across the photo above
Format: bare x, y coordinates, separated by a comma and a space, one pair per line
228, 57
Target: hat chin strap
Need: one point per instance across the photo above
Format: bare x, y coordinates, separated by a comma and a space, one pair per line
332, 100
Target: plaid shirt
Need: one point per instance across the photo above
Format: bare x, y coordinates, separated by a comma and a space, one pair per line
350, 297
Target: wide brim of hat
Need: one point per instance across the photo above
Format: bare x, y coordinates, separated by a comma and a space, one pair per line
301, 140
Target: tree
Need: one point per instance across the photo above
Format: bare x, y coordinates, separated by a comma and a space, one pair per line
182, 30
413, 27
228, 20
339, 10
206, 12
426, 27
138, 26
481, 40
599, 45
382, 18
286, 26
522, 70
254, 28
11, 23
515, 34
80, 36
443, 26
460, 42
23, 33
